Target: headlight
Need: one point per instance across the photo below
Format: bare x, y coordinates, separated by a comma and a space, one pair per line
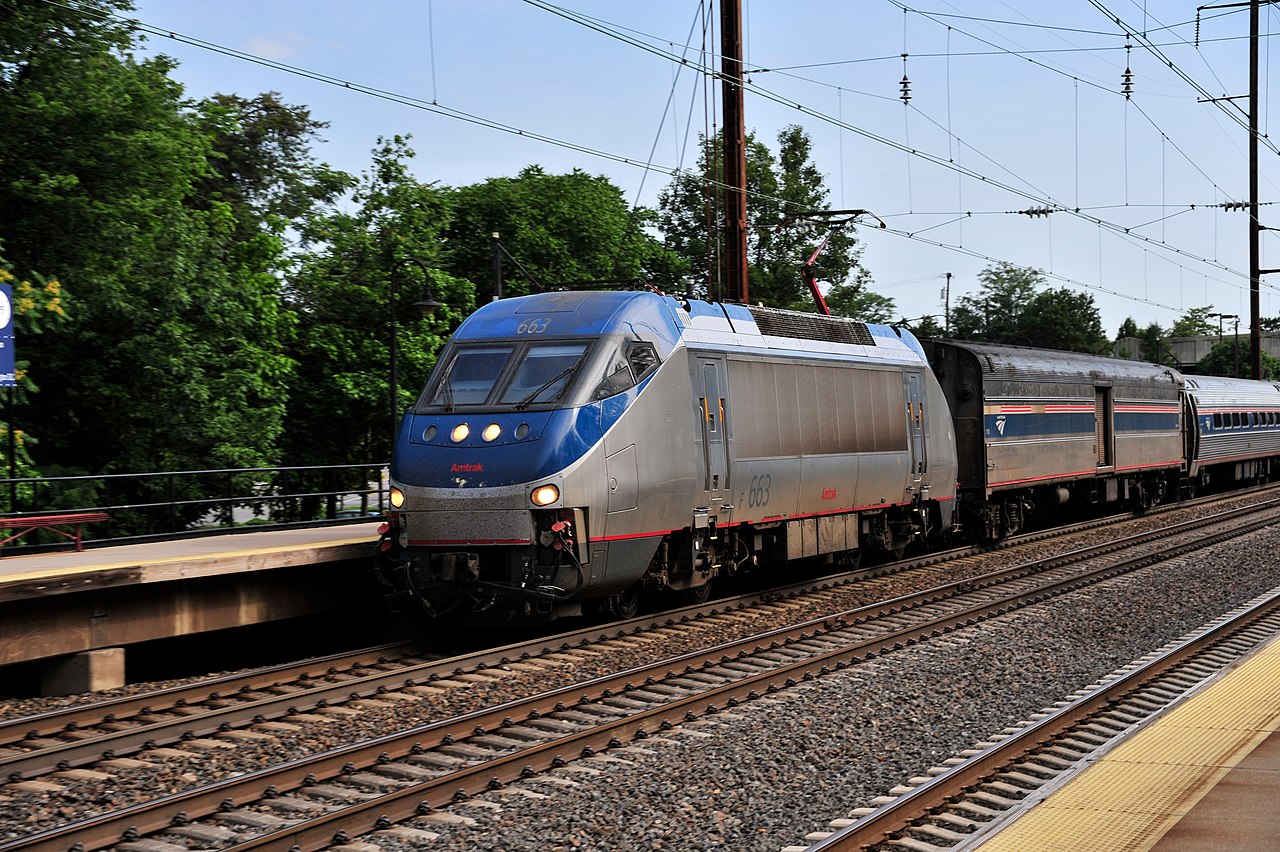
544, 495
492, 431
397, 498
460, 433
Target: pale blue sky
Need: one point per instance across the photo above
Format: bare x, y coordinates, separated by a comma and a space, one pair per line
1025, 129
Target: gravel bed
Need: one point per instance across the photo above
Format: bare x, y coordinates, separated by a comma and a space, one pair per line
771, 771
890, 722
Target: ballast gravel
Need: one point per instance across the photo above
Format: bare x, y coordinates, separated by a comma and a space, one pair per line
767, 773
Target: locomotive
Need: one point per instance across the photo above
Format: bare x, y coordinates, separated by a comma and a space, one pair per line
574, 450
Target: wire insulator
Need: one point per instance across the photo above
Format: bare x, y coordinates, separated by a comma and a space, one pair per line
906, 89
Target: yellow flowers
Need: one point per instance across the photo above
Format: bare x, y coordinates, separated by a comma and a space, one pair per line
27, 297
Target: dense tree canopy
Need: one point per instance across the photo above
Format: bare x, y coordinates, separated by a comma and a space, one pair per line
1230, 357
172, 353
560, 228
341, 291
1011, 308
778, 243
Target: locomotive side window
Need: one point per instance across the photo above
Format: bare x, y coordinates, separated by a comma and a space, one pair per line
626, 367
544, 373
471, 376
642, 357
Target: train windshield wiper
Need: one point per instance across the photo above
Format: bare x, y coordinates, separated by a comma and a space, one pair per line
567, 371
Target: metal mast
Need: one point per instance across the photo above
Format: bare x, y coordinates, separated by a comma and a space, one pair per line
735, 160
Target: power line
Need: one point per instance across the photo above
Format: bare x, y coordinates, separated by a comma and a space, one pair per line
464, 116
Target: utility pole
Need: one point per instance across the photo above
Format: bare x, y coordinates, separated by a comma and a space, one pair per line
497, 265
1255, 229
735, 159
946, 305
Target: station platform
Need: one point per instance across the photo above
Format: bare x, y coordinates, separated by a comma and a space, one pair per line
60, 572
1204, 776
84, 608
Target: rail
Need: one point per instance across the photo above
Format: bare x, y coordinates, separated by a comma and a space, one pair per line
172, 504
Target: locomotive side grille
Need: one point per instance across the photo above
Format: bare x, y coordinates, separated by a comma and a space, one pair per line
778, 323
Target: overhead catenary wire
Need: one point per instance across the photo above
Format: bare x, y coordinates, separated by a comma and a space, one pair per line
465, 116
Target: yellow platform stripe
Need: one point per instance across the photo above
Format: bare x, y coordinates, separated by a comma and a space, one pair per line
1136, 792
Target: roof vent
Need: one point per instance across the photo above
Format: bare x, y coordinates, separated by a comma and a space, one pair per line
779, 323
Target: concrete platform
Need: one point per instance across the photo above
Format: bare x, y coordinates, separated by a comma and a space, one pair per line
55, 604
1203, 777
182, 559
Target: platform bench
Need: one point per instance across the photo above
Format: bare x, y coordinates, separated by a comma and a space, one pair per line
53, 523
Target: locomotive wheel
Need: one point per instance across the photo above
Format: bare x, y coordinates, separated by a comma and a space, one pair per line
696, 595
625, 604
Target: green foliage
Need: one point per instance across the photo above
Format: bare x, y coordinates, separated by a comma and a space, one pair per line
1010, 308
37, 304
561, 228
173, 353
1230, 358
777, 189
1193, 323
926, 326
340, 408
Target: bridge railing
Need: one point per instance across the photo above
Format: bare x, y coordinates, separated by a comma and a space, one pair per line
170, 504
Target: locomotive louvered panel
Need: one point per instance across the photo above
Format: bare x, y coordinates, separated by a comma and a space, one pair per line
779, 323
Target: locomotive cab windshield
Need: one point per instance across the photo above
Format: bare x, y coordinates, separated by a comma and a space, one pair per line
546, 373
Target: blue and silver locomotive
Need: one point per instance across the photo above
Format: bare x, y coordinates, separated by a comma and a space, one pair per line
578, 449
574, 450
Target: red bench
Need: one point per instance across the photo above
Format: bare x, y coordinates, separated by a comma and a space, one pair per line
53, 523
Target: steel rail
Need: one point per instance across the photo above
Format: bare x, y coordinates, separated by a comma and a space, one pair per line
894, 817
85, 750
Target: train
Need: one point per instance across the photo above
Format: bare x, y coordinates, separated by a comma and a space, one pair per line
574, 452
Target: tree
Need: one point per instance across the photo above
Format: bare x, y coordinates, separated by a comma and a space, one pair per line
926, 326
37, 305
1194, 323
561, 228
1155, 347
261, 162
1065, 319
1010, 308
1230, 357
339, 408
995, 314
1128, 328
167, 221
778, 244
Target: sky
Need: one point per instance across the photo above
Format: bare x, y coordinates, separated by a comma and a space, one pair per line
1014, 106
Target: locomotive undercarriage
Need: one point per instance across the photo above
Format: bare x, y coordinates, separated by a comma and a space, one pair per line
545, 579
688, 561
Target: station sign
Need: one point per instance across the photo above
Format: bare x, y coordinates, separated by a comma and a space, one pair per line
8, 376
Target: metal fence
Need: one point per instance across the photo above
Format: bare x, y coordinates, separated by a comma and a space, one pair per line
170, 504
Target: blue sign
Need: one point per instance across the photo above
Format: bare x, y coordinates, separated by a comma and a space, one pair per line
7, 377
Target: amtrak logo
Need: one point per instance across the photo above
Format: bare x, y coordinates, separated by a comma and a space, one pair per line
1000, 424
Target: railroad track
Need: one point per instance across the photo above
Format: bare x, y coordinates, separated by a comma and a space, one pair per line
67, 738
962, 803
356, 789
